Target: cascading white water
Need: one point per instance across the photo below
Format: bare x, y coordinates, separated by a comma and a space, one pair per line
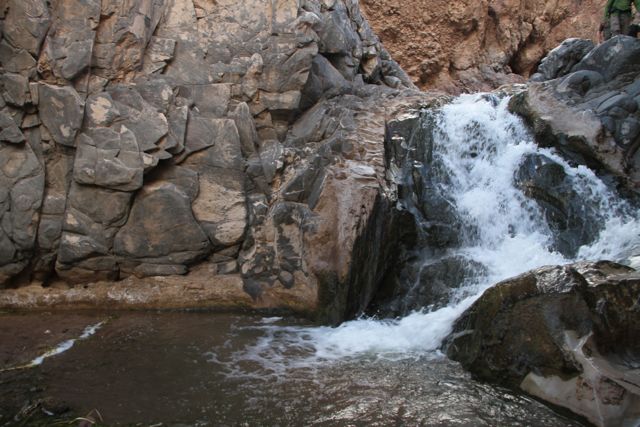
481, 145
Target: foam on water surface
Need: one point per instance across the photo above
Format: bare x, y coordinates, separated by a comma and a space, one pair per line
481, 146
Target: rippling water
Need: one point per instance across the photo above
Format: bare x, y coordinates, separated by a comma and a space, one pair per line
193, 369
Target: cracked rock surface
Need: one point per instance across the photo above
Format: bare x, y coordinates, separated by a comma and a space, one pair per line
151, 137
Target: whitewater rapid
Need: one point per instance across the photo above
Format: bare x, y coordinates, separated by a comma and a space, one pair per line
481, 145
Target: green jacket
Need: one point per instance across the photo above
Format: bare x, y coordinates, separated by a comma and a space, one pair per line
620, 6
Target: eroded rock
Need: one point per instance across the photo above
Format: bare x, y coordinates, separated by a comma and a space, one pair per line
161, 228
568, 335
61, 111
590, 115
476, 45
165, 128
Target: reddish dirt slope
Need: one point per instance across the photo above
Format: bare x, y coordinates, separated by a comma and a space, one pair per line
471, 45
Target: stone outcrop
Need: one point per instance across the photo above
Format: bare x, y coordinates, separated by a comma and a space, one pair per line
477, 45
146, 138
574, 221
590, 111
430, 268
568, 335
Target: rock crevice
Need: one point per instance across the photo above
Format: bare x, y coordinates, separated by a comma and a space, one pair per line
155, 137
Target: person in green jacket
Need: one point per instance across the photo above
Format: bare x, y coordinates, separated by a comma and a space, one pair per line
617, 17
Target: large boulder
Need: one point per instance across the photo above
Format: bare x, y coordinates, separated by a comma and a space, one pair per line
568, 334
157, 138
430, 267
574, 221
562, 59
592, 114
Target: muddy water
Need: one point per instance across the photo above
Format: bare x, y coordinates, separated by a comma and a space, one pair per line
218, 369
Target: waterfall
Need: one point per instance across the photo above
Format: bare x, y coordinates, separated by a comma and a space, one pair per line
478, 150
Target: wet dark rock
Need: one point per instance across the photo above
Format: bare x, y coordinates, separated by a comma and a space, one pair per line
566, 334
428, 271
560, 61
574, 223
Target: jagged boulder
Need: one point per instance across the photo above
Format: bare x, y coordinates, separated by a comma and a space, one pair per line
430, 269
574, 221
562, 59
592, 114
567, 334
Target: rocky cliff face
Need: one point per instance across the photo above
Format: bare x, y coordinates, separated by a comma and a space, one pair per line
148, 137
477, 45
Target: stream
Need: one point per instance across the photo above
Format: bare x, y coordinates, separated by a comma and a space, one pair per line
221, 369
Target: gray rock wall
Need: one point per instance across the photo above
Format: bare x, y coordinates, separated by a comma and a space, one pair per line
586, 103
145, 137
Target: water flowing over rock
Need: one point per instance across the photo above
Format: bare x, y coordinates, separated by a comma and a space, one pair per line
470, 174
568, 335
271, 155
489, 204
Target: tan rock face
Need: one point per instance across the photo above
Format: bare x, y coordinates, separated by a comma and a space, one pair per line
472, 45
163, 137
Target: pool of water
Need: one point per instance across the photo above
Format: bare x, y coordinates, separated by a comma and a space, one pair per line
201, 369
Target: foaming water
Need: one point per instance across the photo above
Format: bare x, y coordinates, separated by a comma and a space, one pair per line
478, 147
66, 345
59, 349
